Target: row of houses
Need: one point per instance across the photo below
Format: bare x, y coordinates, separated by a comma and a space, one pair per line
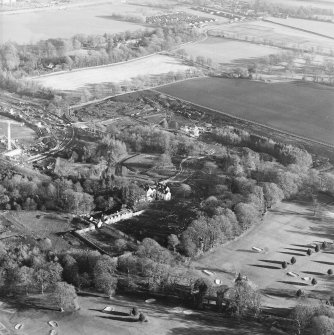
177, 18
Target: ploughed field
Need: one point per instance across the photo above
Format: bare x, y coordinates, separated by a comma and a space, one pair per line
303, 109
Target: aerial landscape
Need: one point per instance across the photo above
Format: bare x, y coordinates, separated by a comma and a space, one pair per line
166, 167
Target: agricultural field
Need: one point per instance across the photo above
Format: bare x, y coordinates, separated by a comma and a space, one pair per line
327, 4
317, 27
32, 26
296, 229
116, 73
266, 32
224, 51
299, 108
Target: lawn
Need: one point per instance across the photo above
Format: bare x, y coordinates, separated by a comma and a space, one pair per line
52, 23
295, 228
116, 73
224, 51
261, 31
300, 108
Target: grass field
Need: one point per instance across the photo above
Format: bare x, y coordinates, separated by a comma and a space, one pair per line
327, 4
295, 229
153, 65
313, 26
299, 108
266, 31
33, 26
163, 319
22, 133
224, 51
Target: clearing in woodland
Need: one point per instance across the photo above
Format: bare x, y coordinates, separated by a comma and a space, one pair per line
56, 22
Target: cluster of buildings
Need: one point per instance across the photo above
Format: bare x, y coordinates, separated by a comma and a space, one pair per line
177, 18
158, 191
231, 16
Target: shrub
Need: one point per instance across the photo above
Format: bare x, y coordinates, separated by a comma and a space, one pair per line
299, 293
284, 265
314, 281
317, 248
134, 311
330, 271
293, 260
143, 317
324, 245
309, 252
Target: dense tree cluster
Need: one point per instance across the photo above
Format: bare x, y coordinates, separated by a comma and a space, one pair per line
71, 194
18, 61
21, 86
314, 319
89, 50
285, 154
27, 268
154, 268
240, 184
